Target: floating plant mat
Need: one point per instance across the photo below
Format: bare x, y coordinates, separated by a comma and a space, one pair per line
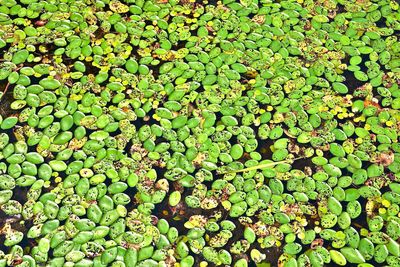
199, 133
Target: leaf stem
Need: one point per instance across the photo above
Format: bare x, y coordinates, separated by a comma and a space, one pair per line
5, 90
262, 166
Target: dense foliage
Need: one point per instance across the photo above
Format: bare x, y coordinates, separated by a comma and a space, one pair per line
199, 133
